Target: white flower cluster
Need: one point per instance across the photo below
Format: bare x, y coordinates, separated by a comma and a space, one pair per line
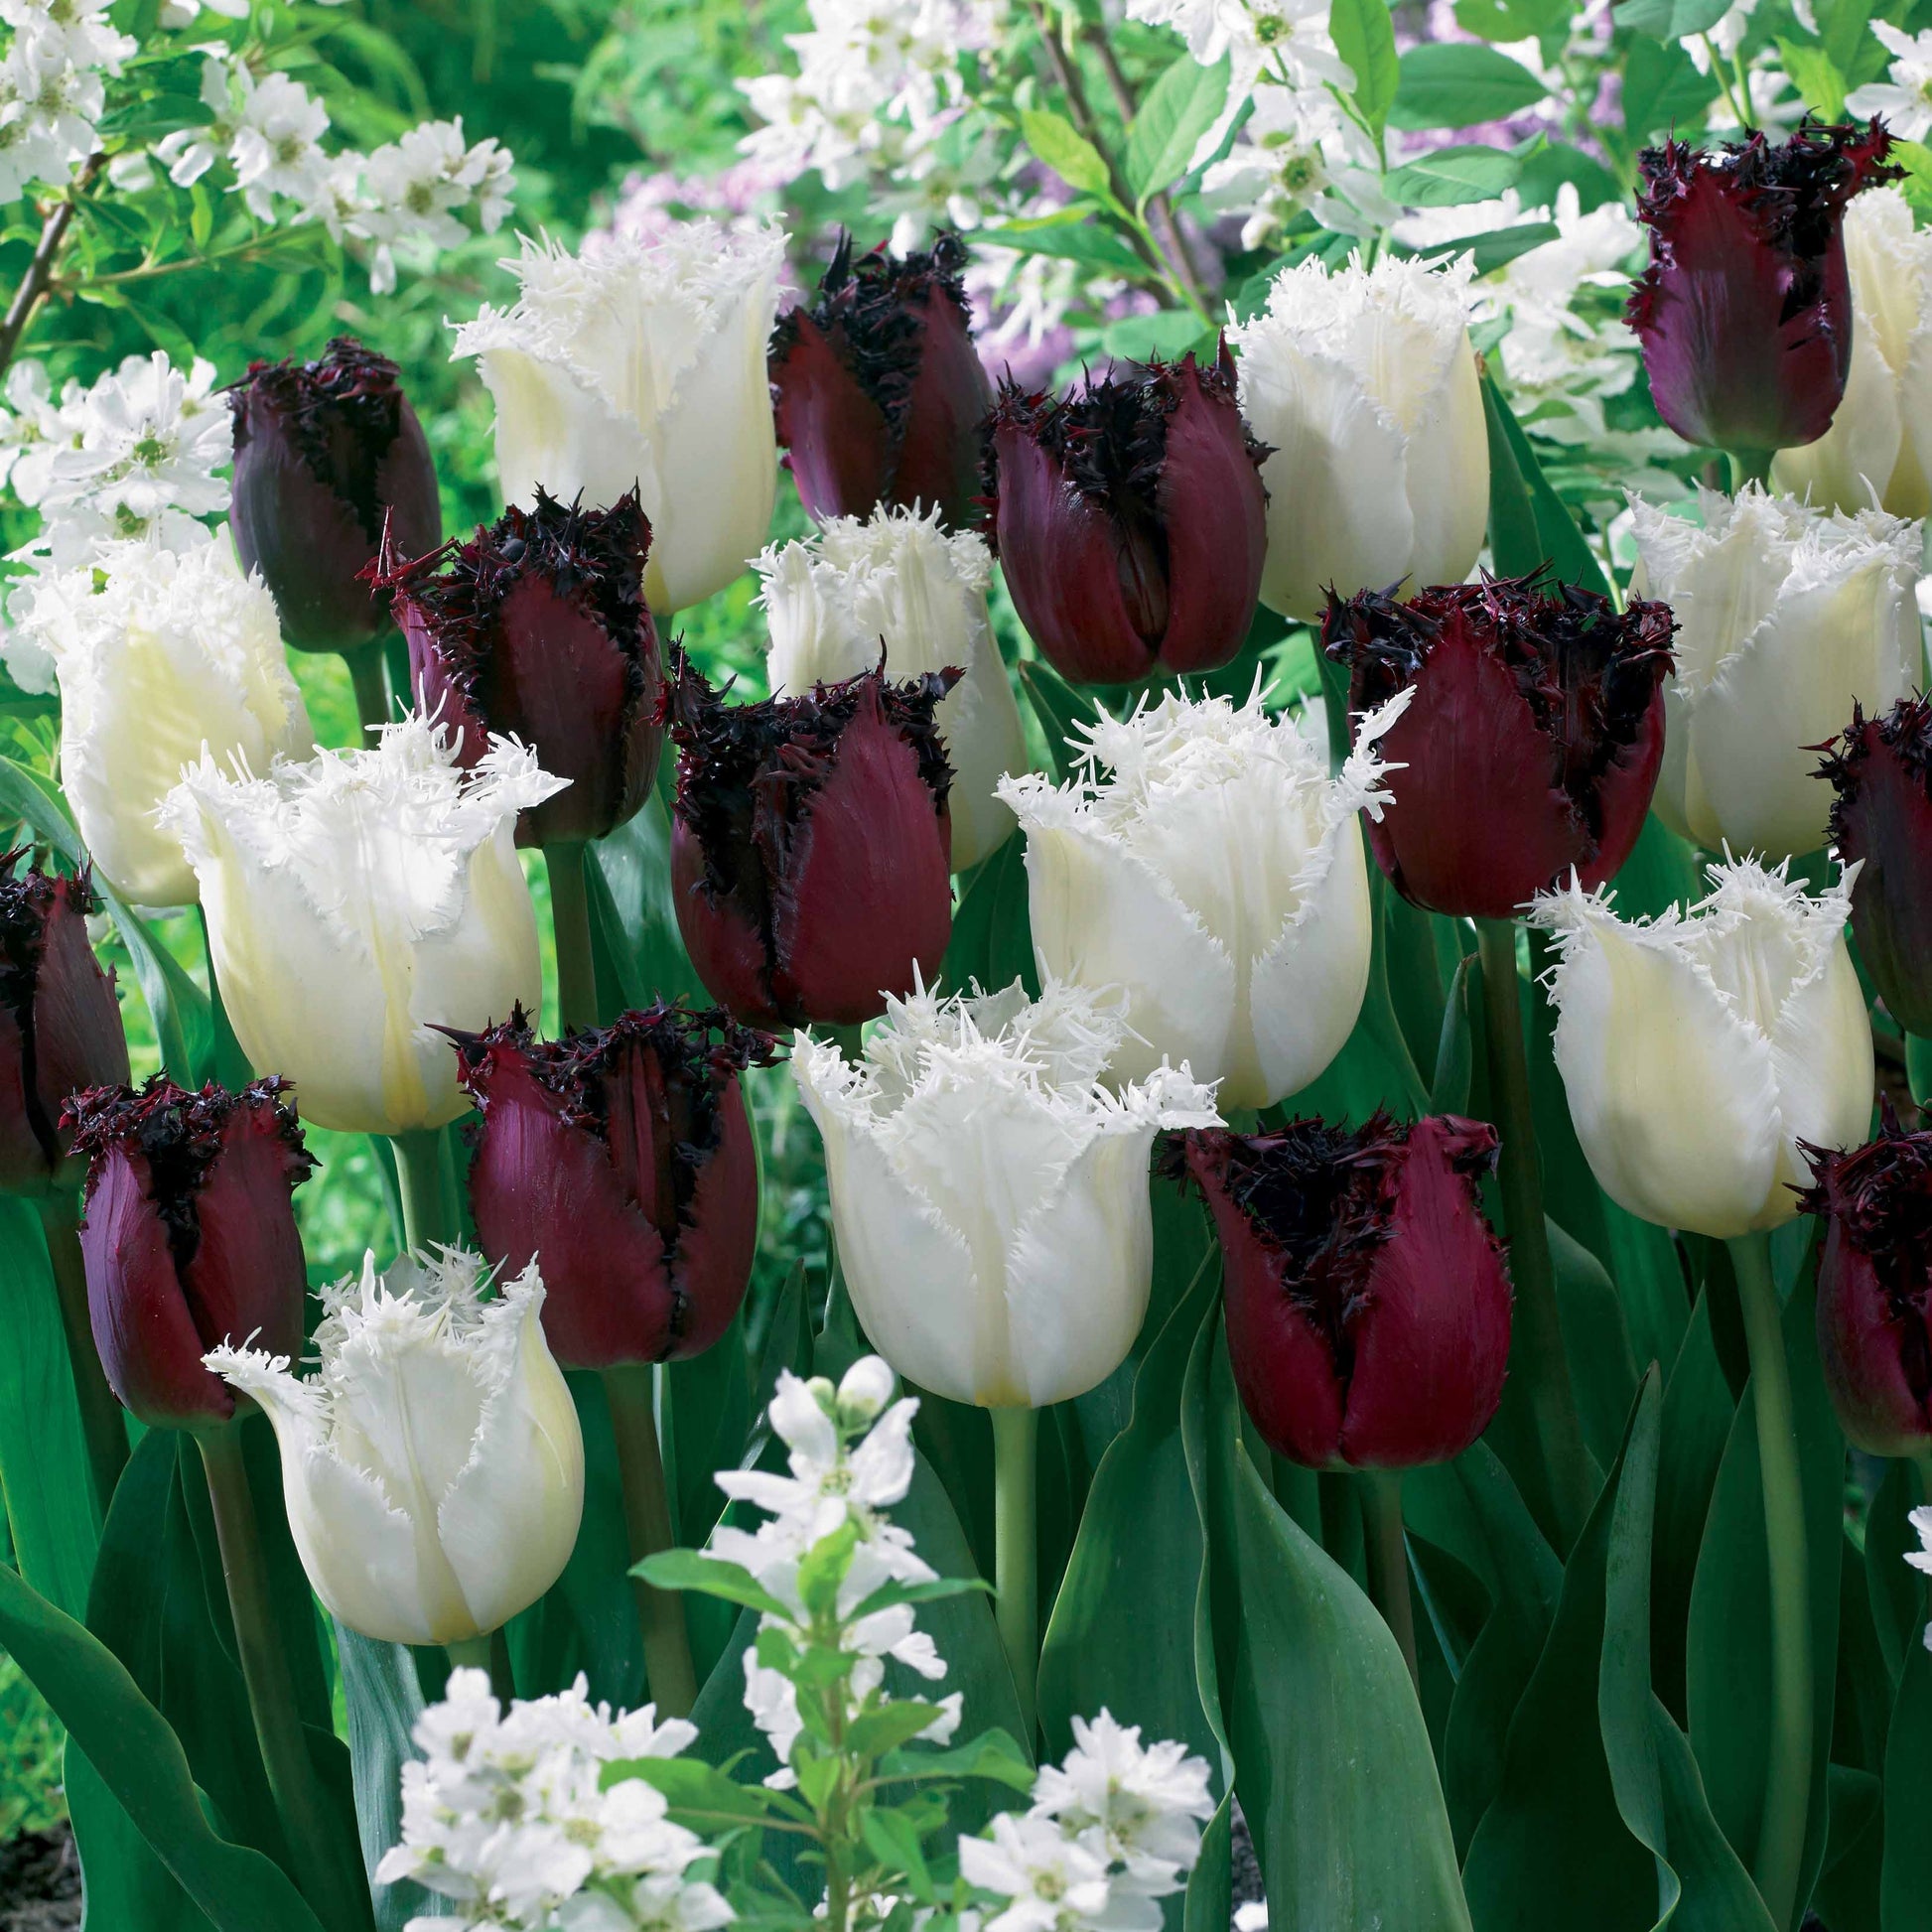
1111, 1831
1904, 97
849, 1464
52, 87
1921, 1557
507, 1815
1297, 150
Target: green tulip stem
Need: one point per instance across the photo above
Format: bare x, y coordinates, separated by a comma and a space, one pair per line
1751, 467
1016, 1460
232, 1066
668, 1670
490, 1654
1560, 1490
324, 1874
419, 1176
1388, 1561
102, 1426
1787, 1770
371, 678
570, 923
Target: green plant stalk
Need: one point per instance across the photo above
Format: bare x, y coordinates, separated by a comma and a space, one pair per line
1387, 1561
419, 1179
327, 1878
1918, 1068
367, 672
1015, 1458
1539, 1369
1787, 1770
1748, 466
570, 923
489, 1654
668, 1670
103, 1427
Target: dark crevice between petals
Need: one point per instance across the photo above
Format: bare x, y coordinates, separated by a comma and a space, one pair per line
27, 902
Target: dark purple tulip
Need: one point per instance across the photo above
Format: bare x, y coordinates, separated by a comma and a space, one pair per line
1746, 308
878, 392
810, 844
188, 1239
1130, 519
1532, 743
1874, 1288
325, 454
538, 629
1881, 770
1368, 1307
622, 1161
60, 1023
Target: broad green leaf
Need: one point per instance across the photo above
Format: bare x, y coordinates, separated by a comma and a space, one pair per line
1177, 111
1551, 536
1456, 84
992, 932
1670, 20
1907, 1883
1820, 84
1061, 712
1596, 1341
1511, 20
634, 915
1494, 246
1449, 177
1364, 37
1164, 337
690, 1570
1449, 1088
1067, 234
1065, 150
383, 1698
1662, 90
1896, 1590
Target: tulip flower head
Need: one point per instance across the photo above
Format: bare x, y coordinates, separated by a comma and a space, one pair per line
536, 630
1877, 452
641, 366
1533, 743
1786, 617
1698, 1050
1875, 1286
989, 1195
1202, 860
433, 1467
190, 1238
898, 580
1368, 1307
1746, 309
810, 844
622, 1161
328, 456
358, 902
880, 392
1363, 384
60, 1023
1130, 519
163, 657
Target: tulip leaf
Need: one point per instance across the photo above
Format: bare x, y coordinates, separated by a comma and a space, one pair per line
1448, 1089
1449, 176
1905, 1881
1595, 1339
992, 930
1364, 37
1055, 141
1549, 537
1457, 84
1178, 110
1896, 1590
640, 951
1064, 714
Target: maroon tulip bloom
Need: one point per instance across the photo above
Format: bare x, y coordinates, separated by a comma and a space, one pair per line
538, 629
325, 453
810, 844
1130, 519
1531, 744
1875, 1286
1883, 817
1369, 1307
879, 394
1746, 308
188, 1238
622, 1161
60, 1023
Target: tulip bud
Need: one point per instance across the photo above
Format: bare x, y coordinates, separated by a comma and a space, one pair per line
433, 1467
1698, 1050
360, 901
1786, 617
60, 1023
536, 630
1874, 1288
1368, 1307
641, 366
327, 455
809, 845
898, 580
1532, 747
1130, 519
1877, 452
188, 1238
1363, 384
1216, 876
622, 1159
990, 1200
1881, 821
881, 395
1746, 309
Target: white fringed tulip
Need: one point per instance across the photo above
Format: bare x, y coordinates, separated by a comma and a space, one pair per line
175, 656
896, 579
988, 1196
360, 901
1877, 452
1699, 1050
643, 364
1363, 382
1787, 616
433, 1467
1203, 860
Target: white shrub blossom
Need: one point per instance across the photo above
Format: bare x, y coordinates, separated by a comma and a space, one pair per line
1904, 97
52, 87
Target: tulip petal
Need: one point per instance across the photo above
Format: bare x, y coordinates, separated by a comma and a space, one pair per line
838, 446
